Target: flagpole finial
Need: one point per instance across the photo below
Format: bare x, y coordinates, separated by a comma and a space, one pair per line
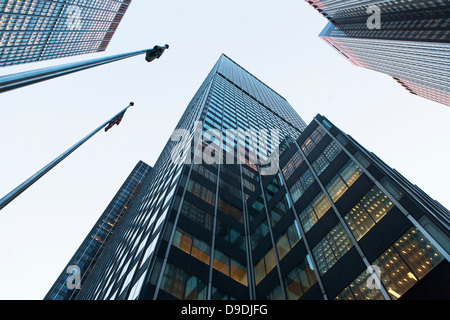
131, 103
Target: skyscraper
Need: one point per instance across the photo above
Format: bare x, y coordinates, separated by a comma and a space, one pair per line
87, 254
36, 30
408, 40
248, 202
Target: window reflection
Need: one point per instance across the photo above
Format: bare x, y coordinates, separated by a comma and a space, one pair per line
300, 280
292, 165
182, 285
230, 267
288, 240
192, 246
327, 156
264, 266
201, 192
197, 215
302, 184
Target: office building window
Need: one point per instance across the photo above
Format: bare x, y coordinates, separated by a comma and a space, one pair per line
311, 142
331, 248
230, 267
197, 215
312, 213
292, 165
326, 157
182, 285
300, 280
343, 180
302, 184
362, 217
201, 192
192, 246
265, 265
401, 266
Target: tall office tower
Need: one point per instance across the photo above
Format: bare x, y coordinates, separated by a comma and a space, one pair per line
36, 30
87, 254
233, 211
411, 42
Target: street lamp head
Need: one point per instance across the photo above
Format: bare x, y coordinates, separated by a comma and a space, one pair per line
155, 53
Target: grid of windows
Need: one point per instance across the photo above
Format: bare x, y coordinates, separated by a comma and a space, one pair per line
36, 30
411, 44
91, 248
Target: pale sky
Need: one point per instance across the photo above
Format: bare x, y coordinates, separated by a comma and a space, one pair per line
274, 40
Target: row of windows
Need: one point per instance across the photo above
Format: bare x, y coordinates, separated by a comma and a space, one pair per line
42, 7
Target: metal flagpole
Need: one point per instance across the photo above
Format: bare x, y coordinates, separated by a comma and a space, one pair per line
26, 184
22, 79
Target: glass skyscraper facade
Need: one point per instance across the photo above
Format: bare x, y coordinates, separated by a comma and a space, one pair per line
224, 227
90, 250
36, 30
412, 43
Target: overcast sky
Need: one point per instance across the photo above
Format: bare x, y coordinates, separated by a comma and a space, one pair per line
274, 40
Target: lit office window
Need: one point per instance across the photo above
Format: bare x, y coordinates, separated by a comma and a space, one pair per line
192, 246
418, 252
288, 240
302, 184
230, 267
358, 290
311, 142
292, 165
331, 248
363, 216
401, 266
312, 213
265, 265
343, 180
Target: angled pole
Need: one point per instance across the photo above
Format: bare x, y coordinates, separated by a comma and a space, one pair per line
22, 79
26, 184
